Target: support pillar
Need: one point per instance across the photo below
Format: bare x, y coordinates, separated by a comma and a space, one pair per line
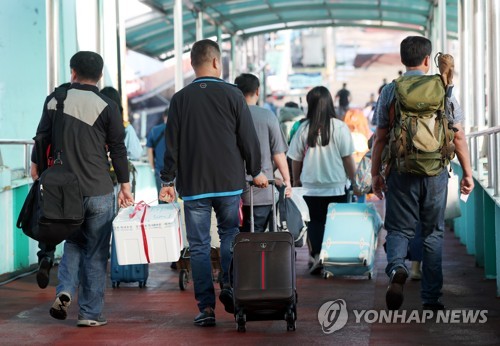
494, 62
465, 16
479, 61
199, 26
443, 28
232, 62
178, 45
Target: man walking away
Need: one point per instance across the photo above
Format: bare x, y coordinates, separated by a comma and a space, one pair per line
91, 122
416, 197
272, 150
210, 138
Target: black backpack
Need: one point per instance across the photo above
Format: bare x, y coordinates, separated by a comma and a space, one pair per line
53, 209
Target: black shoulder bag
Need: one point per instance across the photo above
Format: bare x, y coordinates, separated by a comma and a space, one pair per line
55, 209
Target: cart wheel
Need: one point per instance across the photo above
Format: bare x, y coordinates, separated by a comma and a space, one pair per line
113, 284
183, 279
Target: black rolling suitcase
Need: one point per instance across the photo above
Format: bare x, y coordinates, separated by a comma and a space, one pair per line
264, 276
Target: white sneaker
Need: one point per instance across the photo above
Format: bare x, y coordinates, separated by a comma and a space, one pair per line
101, 321
59, 309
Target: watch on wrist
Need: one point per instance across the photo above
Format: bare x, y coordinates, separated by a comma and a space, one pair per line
169, 184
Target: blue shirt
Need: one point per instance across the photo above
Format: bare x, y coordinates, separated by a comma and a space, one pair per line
381, 114
157, 134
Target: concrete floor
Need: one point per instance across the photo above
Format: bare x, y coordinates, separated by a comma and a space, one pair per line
161, 314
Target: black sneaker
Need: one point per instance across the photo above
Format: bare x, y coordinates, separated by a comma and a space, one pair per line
206, 318
43, 274
436, 306
394, 296
226, 298
59, 309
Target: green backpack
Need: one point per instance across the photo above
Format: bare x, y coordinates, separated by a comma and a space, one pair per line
420, 136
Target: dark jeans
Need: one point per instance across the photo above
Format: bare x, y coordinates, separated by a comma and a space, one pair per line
410, 200
46, 250
262, 217
318, 208
198, 218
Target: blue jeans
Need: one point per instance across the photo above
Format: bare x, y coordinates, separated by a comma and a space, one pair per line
411, 199
198, 218
415, 248
261, 215
86, 252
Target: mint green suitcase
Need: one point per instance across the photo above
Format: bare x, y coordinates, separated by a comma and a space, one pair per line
350, 239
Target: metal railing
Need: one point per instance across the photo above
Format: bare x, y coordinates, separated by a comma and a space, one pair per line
27, 145
490, 140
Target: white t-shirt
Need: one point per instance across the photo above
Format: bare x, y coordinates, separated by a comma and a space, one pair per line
323, 172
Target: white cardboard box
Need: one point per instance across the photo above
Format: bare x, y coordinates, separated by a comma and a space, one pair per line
158, 238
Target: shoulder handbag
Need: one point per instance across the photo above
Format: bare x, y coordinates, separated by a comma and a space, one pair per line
290, 218
60, 198
28, 216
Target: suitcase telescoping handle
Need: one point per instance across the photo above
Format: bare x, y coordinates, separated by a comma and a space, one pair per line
272, 182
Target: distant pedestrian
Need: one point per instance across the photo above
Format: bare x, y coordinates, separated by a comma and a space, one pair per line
344, 98
272, 151
155, 144
323, 164
132, 142
384, 83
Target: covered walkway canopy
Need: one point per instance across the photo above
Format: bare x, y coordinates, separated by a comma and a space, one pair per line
153, 33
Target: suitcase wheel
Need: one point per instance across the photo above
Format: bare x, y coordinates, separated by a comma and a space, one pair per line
115, 284
327, 275
241, 319
183, 279
142, 284
290, 321
370, 275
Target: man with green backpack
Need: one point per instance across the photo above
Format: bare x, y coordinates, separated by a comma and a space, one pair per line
418, 132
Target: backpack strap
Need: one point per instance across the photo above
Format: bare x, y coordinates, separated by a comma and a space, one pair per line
392, 114
60, 94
